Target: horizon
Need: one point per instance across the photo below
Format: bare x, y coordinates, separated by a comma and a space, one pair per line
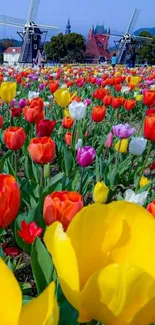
105, 14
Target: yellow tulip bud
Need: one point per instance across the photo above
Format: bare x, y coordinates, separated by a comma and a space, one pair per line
144, 181
100, 193
122, 146
8, 91
139, 98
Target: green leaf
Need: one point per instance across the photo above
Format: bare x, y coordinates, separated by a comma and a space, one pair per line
42, 266
68, 160
8, 154
68, 314
26, 299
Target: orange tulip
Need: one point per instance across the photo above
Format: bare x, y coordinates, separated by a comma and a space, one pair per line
54, 86
98, 113
149, 127
9, 199
33, 114
14, 137
68, 138
67, 122
62, 206
42, 150
151, 208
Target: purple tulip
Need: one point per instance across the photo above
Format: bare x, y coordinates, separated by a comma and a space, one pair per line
109, 140
13, 103
41, 86
28, 85
98, 81
123, 131
85, 156
87, 101
22, 103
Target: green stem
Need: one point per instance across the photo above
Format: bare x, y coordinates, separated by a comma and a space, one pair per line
117, 156
81, 181
144, 164
141, 124
16, 164
41, 178
131, 164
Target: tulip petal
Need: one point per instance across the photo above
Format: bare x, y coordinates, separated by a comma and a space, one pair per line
59, 246
93, 233
10, 296
42, 310
116, 294
133, 248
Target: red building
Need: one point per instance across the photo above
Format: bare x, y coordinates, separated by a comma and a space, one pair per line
97, 45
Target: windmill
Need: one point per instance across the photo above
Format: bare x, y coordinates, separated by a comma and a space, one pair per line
32, 34
128, 41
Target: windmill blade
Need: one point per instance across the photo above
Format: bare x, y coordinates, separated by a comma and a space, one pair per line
11, 20
11, 25
47, 27
113, 35
133, 21
33, 10
147, 40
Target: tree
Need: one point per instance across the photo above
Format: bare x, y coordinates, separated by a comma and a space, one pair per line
68, 48
147, 51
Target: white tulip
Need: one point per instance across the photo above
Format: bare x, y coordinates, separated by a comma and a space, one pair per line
32, 95
125, 90
131, 196
137, 146
77, 110
78, 144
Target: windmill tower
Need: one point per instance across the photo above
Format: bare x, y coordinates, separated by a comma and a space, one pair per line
32, 34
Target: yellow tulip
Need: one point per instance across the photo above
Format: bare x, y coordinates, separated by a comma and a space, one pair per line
66, 112
8, 91
100, 193
122, 145
41, 310
144, 181
105, 267
139, 98
63, 97
134, 80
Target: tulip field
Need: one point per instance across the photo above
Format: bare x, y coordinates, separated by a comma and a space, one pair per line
77, 195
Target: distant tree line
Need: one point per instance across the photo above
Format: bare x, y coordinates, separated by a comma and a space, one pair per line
66, 48
147, 51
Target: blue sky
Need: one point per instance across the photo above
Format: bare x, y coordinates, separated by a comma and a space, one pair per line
83, 13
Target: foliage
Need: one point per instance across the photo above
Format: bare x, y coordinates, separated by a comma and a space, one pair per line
147, 52
68, 48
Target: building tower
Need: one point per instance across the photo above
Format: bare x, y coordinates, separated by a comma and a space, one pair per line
68, 27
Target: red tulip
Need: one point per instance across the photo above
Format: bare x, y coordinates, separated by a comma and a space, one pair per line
14, 137
45, 128
62, 206
151, 208
149, 98
149, 127
1, 121
152, 166
107, 100
98, 113
42, 150
9, 200
16, 112
29, 231
37, 102
129, 104
99, 93
116, 102
54, 86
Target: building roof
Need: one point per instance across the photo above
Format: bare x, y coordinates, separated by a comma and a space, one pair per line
11, 50
95, 47
99, 29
